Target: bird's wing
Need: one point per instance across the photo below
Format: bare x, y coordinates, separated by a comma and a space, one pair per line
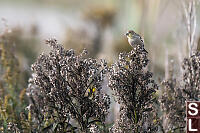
141, 39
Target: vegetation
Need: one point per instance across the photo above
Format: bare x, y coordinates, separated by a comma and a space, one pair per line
70, 89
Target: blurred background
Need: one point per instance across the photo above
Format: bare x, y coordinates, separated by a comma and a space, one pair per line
99, 26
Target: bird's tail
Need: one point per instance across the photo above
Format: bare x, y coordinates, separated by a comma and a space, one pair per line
144, 50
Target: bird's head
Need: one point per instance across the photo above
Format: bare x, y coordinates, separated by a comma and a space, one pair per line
130, 34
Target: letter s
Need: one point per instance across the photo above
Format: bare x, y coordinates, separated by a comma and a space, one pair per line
193, 108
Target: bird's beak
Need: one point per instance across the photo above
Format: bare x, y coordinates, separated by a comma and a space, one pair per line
126, 34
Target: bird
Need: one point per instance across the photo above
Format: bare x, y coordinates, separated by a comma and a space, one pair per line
135, 40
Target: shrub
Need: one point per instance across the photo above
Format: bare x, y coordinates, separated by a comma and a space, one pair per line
191, 76
175, 92
12, 92
134, 90
58, 88
172, 104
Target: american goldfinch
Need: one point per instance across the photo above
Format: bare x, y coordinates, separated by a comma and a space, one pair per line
135, 39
